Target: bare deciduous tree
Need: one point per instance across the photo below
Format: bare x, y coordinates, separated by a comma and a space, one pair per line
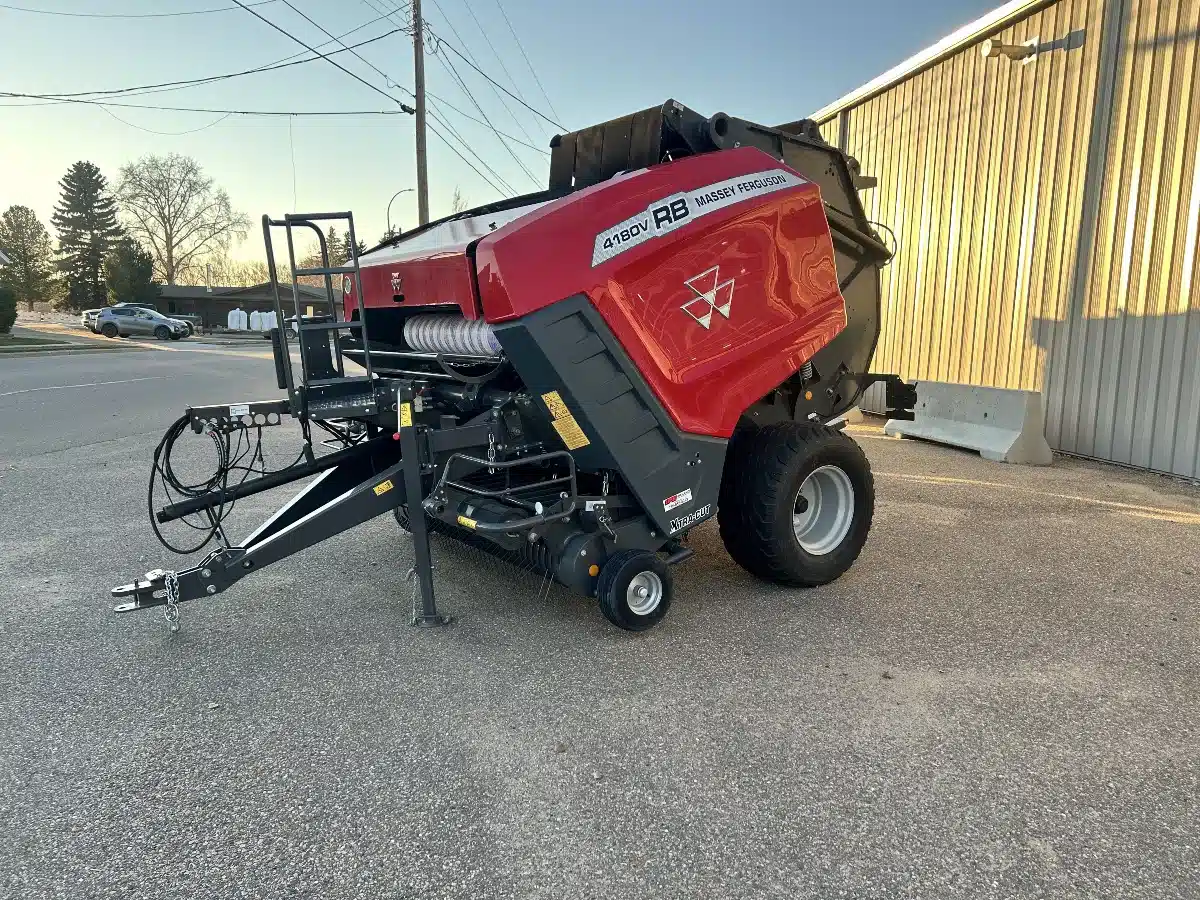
176, 211
457, 202
226, 272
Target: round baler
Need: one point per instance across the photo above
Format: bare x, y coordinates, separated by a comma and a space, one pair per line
574, 380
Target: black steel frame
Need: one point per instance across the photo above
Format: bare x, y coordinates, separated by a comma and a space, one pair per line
569, 500
333, 387
354, 485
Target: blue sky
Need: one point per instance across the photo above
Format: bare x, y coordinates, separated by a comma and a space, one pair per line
766, 60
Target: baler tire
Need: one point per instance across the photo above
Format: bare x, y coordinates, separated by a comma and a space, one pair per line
764, 472
617, 580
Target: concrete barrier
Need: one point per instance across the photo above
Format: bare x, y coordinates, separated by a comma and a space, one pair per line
1003, 425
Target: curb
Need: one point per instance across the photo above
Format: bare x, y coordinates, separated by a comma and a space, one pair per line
67, 350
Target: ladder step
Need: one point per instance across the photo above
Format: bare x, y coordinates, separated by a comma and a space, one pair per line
329, 326
341, 379
303, 217
332, 270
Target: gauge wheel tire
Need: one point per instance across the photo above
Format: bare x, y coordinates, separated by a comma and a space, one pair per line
163, 333
796, 503
634, 590
109, 330
401, 515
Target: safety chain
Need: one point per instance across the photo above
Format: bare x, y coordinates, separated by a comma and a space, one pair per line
171, 610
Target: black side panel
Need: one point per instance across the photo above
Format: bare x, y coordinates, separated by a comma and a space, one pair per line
568, 348
849, 354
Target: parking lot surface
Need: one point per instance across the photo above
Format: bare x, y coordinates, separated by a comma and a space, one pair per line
1000, 699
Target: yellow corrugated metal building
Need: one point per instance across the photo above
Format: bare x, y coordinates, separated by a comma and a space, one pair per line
1046, 209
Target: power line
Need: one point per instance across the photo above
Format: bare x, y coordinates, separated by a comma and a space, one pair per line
408, 109
383, 13
166, 15
532, 71
388, 80
454, 72
194, 109
269, 67
441, 120
492, 184
471, 55
168, 133
471, 118
454, 133
396, 10
491, 46
442, 41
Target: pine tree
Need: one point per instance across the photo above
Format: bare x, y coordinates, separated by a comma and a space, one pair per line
86, 221
30, 274
335, 246
345, 243
129, 273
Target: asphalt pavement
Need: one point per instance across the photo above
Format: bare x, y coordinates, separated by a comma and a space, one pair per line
1000, 699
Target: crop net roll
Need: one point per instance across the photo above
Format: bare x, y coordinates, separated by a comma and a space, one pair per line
450, 335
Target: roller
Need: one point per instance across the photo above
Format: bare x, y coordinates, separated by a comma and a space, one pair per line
450, 334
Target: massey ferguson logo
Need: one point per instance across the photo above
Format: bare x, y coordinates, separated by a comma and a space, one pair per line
712, 295
397, 282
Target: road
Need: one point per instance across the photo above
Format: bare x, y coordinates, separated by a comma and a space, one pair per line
999, 699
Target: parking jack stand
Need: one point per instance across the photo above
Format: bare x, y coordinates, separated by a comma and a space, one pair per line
413, 462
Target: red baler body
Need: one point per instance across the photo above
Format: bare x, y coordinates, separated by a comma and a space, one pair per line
714, 313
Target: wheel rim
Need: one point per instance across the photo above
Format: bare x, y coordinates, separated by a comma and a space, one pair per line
824, 510
644, 594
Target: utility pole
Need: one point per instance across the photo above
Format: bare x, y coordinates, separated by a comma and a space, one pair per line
419, 65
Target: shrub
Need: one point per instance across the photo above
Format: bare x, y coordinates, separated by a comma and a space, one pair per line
8, 309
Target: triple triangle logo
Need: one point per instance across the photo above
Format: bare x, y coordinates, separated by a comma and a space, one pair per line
712, 295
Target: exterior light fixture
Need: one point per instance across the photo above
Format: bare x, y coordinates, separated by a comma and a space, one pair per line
994, 47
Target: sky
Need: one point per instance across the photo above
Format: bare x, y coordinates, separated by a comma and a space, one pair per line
769, 61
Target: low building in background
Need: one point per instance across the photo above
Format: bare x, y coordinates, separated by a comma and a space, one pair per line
214, 304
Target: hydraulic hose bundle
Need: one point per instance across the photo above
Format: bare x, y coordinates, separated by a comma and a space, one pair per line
231, 459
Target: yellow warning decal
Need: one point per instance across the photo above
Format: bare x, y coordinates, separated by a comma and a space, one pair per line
554, 403
406, 415
564, 423
465, 522
570, 432
383, 487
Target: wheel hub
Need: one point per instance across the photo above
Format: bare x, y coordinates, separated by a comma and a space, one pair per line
644, 594
824, 510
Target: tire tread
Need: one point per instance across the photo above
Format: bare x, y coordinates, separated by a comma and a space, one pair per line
757, 480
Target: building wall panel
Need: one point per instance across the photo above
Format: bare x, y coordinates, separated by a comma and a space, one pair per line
1047, 217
